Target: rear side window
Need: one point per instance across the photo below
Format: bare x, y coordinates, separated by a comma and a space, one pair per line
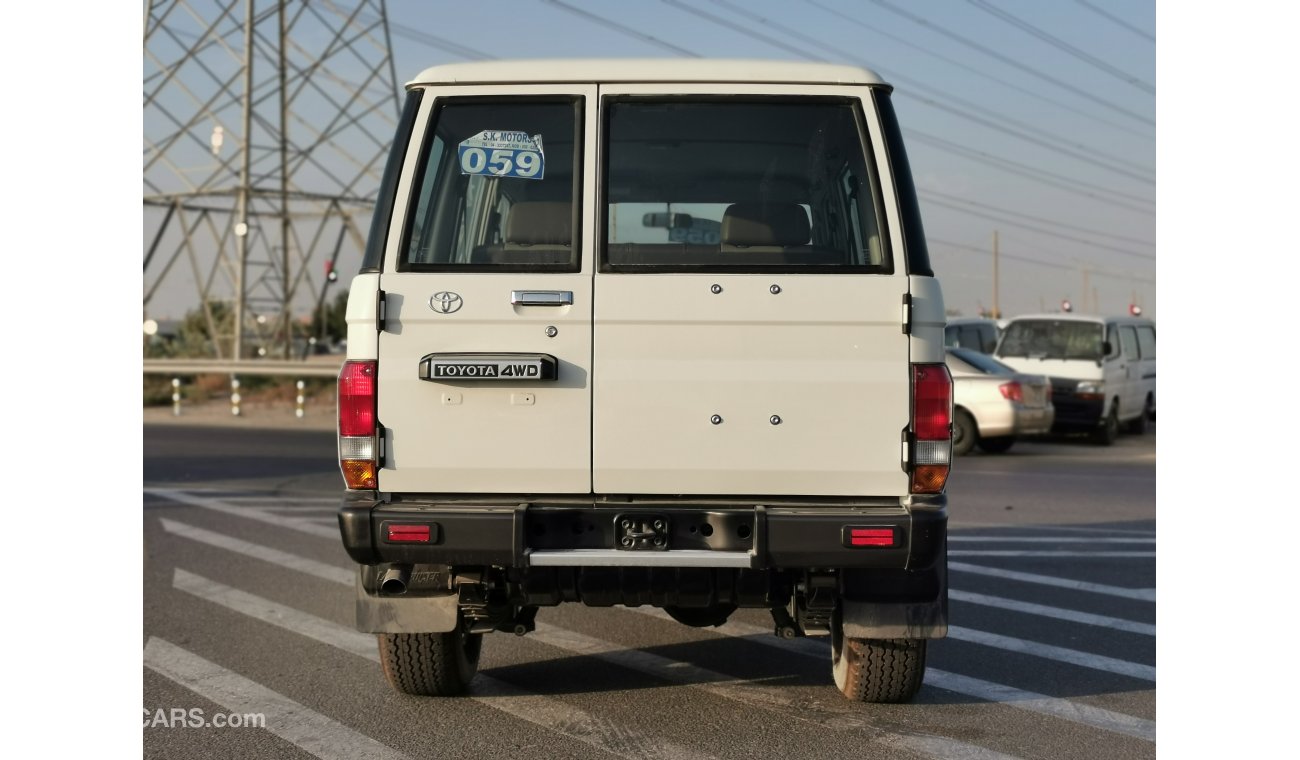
740, 185
497, 188
1128, 336
1147, 342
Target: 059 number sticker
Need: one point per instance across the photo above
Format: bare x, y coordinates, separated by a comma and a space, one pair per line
496, 153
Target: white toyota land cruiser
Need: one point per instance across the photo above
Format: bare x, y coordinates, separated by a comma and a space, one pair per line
647, 333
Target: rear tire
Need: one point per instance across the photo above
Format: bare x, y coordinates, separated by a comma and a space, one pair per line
430, 664
1139, 426
964, 433
1109, 430
999, 445
876, 670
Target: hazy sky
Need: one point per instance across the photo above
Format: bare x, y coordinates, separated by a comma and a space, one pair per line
1035, 119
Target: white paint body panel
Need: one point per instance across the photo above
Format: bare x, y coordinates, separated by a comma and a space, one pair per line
647, 359
476, 437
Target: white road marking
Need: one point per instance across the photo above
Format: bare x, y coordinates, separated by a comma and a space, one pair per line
1050, 528
1051, 652
264, 553
756, 695
1141, 594
1075, 712
971, 687
1047, 540
251, 513
546, 712
1060, 613
995, 553
307, 729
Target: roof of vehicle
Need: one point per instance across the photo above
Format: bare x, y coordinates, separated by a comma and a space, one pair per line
1081, 317
598, 70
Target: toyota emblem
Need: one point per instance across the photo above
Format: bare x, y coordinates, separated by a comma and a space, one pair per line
445, 302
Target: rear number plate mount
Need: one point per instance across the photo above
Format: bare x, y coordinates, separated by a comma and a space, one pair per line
641, 532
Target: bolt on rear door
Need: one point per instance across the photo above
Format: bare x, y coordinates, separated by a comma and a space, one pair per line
484, 364
748, 316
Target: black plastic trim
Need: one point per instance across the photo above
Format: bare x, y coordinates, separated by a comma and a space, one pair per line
916, 254
382, 217
502, 534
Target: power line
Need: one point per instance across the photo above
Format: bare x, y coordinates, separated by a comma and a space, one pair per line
1049, 264
424, 38
1117, 20
1032, 218
1005, 220
1060, 44
1012, 62
1101, 162
972, 70
1069, 184
945, 97
609, 24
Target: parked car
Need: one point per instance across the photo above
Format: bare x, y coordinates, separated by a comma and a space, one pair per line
978, 333
993, 404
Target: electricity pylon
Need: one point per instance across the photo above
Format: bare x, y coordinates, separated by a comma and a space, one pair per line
266, 127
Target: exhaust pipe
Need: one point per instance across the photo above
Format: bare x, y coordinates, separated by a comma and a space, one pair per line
395, 579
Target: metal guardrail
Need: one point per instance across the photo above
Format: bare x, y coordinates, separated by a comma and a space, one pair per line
322, 366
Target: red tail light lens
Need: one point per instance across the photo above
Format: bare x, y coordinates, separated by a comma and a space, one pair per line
931, 402
931, 427
358, 401
1012, 391
357, 398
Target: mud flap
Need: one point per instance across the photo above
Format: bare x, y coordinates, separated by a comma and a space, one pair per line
891, 620
429, 613
902, 619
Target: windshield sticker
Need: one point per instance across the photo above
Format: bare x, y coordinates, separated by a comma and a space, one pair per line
495, 153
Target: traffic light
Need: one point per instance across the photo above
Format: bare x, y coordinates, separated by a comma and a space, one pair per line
1066, 306
1135, 310
330, 274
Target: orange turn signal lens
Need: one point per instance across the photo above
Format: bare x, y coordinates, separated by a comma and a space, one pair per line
359, 474
929, 478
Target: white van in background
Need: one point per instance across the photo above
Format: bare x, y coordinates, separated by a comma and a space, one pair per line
1103, 369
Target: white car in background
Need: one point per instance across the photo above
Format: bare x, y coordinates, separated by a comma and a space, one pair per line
993, 404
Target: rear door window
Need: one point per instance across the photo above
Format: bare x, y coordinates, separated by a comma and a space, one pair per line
777, 184
497, 188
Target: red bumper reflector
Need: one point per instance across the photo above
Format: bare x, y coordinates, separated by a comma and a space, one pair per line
409, 533
870, 536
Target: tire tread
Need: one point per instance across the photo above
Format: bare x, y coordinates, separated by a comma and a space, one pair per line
429, 664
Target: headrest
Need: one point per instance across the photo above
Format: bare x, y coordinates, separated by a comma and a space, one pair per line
752, 224
540, 223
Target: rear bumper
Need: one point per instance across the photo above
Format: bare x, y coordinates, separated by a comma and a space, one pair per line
1015, 419
704, 533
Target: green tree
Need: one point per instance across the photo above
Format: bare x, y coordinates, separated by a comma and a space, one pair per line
330, 323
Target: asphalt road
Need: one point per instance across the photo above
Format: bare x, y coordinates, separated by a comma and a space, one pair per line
248, 609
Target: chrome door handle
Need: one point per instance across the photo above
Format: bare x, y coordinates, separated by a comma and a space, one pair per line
542, 297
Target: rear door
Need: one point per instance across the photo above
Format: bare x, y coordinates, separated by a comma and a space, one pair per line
485, 359
748, 330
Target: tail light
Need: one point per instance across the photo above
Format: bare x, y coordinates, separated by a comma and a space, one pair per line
1012, 391
358, 448
931, 427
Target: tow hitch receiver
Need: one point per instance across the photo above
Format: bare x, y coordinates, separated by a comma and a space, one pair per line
641, 532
